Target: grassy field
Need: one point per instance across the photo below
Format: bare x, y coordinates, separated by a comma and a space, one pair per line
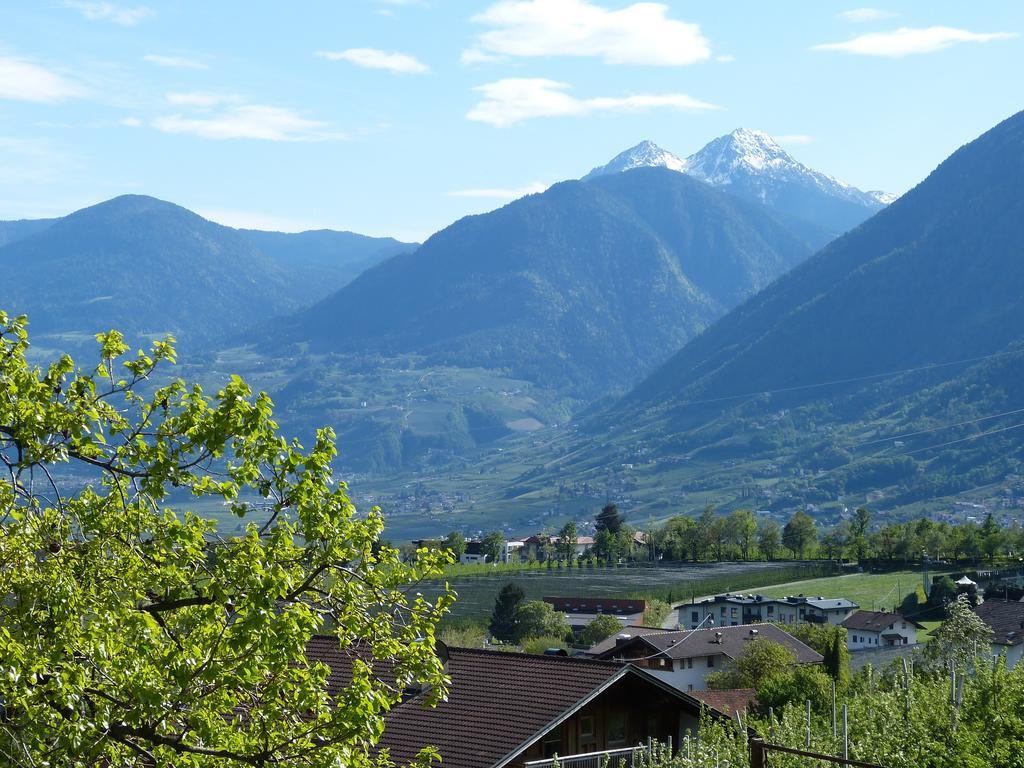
871, 591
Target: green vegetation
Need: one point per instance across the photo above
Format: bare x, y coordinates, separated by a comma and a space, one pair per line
600, 628
871, 591
132, 634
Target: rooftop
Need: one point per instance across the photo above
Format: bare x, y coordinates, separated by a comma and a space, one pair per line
691, 643
876, 621
1005, 619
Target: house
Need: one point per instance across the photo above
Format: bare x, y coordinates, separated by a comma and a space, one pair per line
1006, 620
685, 658
474, 553
877, 629
537, 546
580, 611
735, 609
504, 709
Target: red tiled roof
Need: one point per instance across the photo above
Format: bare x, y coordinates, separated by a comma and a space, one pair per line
614, 606
875, 621
1005, 619
728, 702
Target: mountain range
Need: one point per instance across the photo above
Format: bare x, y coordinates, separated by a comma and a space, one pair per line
752, 165
584, 287
150, 267
891, 361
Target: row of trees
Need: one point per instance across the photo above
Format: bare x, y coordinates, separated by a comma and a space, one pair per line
740, 535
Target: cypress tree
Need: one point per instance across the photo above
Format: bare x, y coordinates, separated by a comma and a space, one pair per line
503, 618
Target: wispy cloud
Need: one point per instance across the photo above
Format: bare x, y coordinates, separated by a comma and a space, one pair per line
104, 11
176, 62
512, 100
794, 139
131, 122
641, 33
249, 121
500, 194
372, 58
23, 80
906, 41
861, 15
200, 98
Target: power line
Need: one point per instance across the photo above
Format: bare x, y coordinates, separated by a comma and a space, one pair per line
965, 439
940, 428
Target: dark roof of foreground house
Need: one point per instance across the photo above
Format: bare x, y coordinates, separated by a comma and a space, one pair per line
1005, 619
498, 703
691, 643
876, 621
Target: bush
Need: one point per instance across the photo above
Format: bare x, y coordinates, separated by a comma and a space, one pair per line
600, 628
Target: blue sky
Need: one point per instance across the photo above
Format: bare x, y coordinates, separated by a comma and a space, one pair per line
399, 116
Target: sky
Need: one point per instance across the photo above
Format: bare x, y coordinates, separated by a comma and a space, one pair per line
397, 117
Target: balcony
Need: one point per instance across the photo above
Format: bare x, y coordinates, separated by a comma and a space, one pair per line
612, 758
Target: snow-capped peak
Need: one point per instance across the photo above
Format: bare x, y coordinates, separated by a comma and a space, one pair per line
646, 154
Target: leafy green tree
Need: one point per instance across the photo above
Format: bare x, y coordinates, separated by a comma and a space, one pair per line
759, 659
609, 519
455, 543
607, 546
493, 545
992, 539
568, 538
859, 533
962, 639
134, 632
795, 686
800, 532
837, 658
535, 618
656, 613
742, 527
769, 538
835, 540
601, 627
504, 616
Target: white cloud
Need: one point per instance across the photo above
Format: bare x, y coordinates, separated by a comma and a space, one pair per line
725, 58
513, 100
131, 122
22, 80
176, 62
372, 58
199, 99
104, 11
906, 41
500, 194
640, 33
794, 139
861, 15
249, 121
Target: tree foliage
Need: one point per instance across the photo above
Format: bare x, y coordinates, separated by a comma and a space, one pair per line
601, 627
133, 634
503, 617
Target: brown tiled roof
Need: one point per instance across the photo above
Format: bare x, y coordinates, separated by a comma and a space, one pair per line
689, 643
727, 702
614, 606
498, 703
875, 621
1005, 619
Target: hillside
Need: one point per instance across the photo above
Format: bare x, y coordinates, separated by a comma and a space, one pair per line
890, 362
143, 266
583, 288
16, 230
324, 260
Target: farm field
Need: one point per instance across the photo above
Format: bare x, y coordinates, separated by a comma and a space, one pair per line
670, 583
871, 591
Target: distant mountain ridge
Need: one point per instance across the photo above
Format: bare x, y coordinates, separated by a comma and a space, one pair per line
752, 165
149, 267
584, 286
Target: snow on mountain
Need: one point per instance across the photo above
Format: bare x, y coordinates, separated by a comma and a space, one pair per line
754, 160
646, 154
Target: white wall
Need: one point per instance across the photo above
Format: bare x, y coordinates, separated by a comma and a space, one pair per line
687, 678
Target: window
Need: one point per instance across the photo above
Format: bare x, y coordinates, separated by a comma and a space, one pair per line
903, 625
586, 726
689, 687
689, 663
723, 610
616, 728
711, 661
694, 617
552, 743
732, 613
771, 609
